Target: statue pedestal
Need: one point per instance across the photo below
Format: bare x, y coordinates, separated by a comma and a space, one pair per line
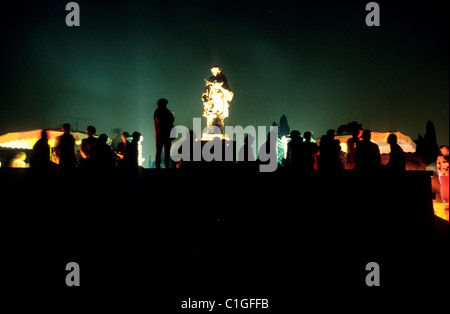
227, 148
211, 136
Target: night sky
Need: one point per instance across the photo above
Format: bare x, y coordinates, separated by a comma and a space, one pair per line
314, 61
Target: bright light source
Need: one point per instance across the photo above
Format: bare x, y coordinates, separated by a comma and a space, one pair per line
140, 158
215, 99
285, 142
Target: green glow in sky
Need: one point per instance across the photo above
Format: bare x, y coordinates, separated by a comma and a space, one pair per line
315, 61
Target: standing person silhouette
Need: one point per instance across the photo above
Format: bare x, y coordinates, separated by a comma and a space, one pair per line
309, 150
87, 146
40, 157
65, 149
397, 159
351, 148
131, 159
102, 156
163, 120
294, 151
367, 154
330, 149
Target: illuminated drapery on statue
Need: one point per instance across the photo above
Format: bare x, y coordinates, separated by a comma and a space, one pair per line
215, 97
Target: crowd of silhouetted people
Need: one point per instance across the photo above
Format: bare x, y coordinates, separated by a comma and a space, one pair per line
303, 154
94, 153
363, 155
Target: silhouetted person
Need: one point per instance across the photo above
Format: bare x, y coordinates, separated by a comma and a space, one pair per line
351, 148
330, 149
40, 156
102, 156
309, 150
131, 159
367, 154
294, 151
163, 120
397, 160
121, 149
87, 146
65, 149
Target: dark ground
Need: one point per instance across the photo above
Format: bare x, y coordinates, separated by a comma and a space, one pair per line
220, 231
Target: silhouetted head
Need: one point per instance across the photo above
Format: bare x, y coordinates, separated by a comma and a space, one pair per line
90, 130
366, 135
392, 139
162, 103
331, 134
66, 128
102, 139
216, 70
44, 134
136, 136
295, 134
307, 136
357, 133
444, 150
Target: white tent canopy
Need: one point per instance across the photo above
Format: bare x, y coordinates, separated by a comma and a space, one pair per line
27, 139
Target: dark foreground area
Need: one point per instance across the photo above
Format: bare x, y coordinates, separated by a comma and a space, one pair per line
220, 231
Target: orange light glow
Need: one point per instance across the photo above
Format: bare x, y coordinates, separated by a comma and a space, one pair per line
441, 210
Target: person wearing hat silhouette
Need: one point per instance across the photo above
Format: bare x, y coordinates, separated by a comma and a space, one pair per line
65, 149
294, 151
131, 159
330, 149
308, 153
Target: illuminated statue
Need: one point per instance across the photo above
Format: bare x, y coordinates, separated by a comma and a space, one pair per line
215, 97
